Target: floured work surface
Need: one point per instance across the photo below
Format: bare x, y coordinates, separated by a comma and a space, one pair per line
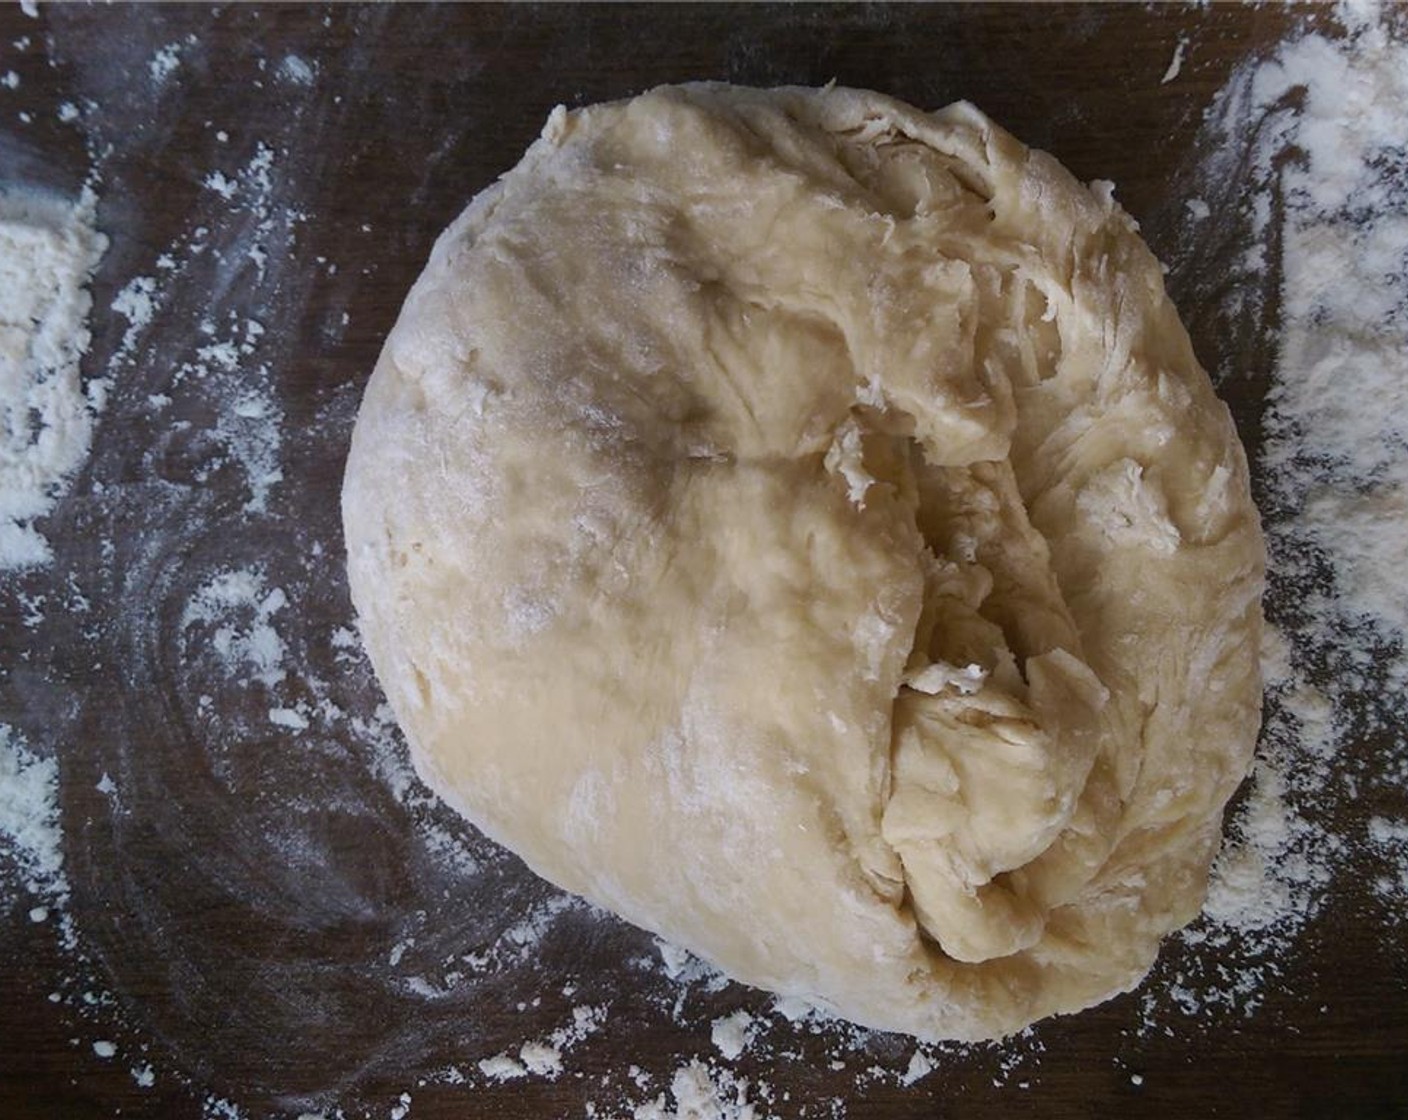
257, 907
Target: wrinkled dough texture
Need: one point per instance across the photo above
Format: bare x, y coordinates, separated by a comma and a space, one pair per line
799, 524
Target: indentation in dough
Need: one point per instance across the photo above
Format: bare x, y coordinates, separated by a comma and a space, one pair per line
986, 769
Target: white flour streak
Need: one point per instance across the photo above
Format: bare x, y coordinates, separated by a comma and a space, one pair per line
48, 251
1175, 66
1321, 124
29, 818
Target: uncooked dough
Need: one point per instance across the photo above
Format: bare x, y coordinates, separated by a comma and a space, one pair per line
799, 523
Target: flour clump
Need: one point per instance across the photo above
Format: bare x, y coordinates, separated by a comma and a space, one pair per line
799, 523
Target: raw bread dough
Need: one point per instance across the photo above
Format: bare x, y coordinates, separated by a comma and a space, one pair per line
798, 523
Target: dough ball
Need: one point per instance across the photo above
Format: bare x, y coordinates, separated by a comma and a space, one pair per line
799, 524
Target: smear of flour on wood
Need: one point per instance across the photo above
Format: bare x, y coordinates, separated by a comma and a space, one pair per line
48, 251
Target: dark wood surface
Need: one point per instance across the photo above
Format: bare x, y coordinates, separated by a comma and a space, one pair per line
237, 981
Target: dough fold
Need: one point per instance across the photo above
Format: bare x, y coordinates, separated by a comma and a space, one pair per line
798, 523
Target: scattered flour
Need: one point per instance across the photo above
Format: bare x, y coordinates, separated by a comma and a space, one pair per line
29, 820
48, 251
290, 718
297, 70
234, 612
136, 303
544, 1058
544, 1061
164, 63
502, 1068
919, 1068
218, 1108
218, 182
1390, 837
1320, 123
1337, 460
699, 1093
733, 1033
1175, 65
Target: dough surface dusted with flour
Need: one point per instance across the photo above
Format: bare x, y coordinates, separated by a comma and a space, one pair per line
799, 523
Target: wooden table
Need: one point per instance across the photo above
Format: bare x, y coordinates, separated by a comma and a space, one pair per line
250, 903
